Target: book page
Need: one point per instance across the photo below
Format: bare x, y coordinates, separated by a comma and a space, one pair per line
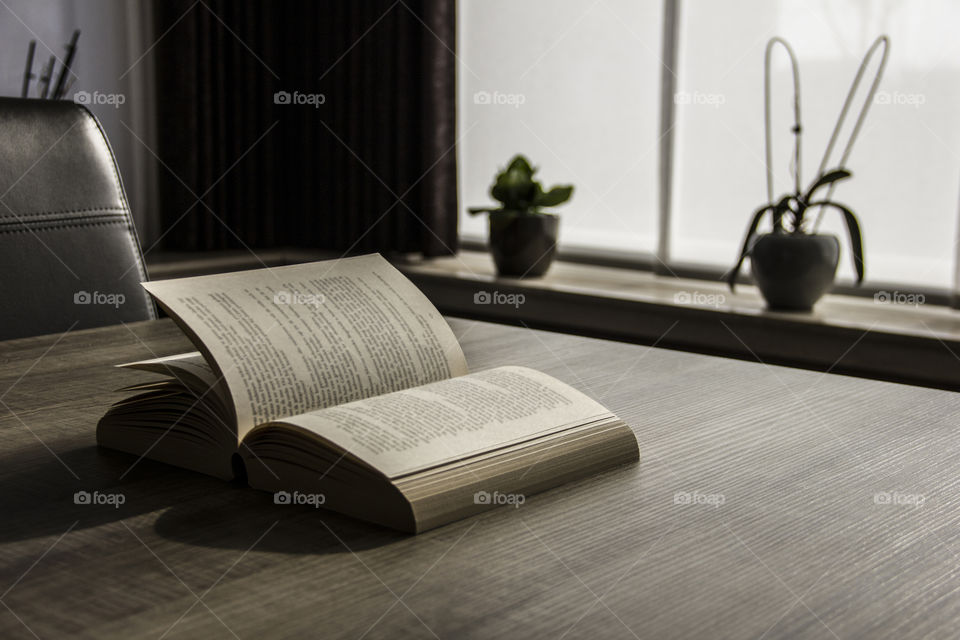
191, 369
191, 364
415, 429
293, 339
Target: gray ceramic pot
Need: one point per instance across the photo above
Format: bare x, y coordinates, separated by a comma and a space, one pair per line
794, 270
523, 245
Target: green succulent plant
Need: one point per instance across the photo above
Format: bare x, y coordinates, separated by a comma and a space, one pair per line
516, 190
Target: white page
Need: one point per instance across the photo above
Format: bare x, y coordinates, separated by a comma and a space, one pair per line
192, 363
191, 369
419, 428
297, 338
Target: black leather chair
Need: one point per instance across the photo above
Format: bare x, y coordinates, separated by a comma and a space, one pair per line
69, 254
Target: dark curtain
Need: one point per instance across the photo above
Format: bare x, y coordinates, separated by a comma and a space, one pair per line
371, 168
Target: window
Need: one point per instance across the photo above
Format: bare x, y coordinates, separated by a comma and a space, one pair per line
906, 161
577, 85
574, 86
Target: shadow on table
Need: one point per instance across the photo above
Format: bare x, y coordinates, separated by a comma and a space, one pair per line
244, 515
88, 487
44, 494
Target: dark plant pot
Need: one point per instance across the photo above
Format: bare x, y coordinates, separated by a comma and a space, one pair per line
523, 244
794, 270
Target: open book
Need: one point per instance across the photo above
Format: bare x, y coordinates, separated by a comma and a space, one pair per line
338, 384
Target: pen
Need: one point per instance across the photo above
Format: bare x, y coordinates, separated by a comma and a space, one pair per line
28, 71
45, 78
60, 87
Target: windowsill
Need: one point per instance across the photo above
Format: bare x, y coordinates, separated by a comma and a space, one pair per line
844, 334
922, 321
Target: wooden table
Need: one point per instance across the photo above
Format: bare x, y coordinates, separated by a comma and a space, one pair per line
769, 502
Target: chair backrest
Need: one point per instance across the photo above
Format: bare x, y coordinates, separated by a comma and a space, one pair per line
69, 254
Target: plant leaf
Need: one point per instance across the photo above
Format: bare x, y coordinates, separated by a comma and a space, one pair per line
853, 229
751, 230
825, 179
514, 189
475, 210
520, 164
557, 195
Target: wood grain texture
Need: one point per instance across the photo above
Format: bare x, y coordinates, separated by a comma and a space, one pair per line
799, 547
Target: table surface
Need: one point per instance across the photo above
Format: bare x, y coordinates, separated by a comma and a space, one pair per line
769, 502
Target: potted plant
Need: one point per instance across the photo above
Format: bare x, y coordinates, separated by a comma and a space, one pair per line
793, 265
523, 237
